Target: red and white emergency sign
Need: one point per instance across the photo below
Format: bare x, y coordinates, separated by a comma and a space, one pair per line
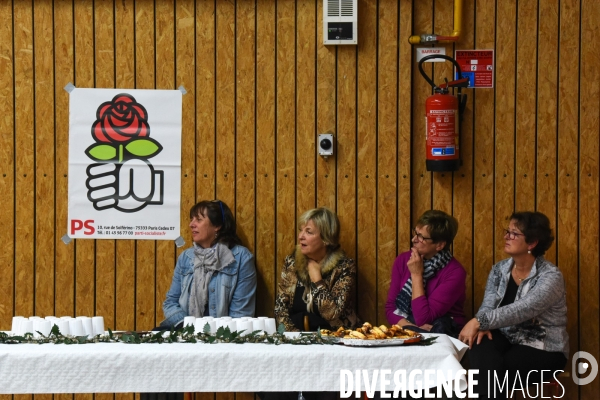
478, 66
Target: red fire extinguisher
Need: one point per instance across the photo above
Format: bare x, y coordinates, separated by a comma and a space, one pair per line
442, 119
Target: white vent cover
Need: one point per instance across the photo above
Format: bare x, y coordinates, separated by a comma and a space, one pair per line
340, 22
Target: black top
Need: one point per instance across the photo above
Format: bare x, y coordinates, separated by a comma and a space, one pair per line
511, 292
298, 311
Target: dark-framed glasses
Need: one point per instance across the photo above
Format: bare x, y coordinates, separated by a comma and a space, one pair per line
420, 238
511, 235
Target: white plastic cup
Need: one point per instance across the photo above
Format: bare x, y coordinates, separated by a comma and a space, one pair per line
50, 318
231, 324
245, 327
270, 327
189, 320
76, 327
226, 318
208, 317
258, 325
199, 325
16, 322
262, 317
26, 326
63, 326
98, 325
45, 327
86, 322
36, 328
213, 326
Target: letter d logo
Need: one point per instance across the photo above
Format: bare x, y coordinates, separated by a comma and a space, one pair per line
579, 368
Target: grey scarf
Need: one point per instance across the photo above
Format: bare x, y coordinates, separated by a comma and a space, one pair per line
206, 263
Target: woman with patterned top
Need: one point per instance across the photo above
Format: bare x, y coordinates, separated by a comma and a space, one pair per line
427, 292
317, 280
521, 326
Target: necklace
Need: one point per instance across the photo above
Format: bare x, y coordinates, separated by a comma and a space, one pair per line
516, 276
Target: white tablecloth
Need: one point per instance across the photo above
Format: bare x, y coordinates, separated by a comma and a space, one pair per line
183, 367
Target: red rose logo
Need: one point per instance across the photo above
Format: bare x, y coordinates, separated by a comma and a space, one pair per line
122, 132
120, 120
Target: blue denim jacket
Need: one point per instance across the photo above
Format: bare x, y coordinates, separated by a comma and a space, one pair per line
232, 291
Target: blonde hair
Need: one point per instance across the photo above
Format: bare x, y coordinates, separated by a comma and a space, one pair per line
327, 223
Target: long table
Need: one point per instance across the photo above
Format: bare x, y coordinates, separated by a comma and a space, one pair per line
199, 367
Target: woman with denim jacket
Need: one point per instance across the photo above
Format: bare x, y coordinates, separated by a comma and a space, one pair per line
520, 329
216, 276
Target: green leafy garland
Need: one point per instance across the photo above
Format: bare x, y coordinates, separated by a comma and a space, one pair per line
182, 335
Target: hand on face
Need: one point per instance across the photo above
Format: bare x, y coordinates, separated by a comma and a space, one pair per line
415, 263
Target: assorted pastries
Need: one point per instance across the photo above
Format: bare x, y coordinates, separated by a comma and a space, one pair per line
370, 332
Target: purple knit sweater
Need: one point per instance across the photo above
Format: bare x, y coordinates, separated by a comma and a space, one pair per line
444, 293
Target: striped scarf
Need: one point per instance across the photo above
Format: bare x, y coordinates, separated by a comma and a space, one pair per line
430, 268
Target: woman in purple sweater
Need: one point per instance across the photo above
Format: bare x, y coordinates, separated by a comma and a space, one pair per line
427, 292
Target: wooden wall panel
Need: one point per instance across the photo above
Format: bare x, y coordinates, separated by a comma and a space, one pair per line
366, 225
483, 207
567, 225
7, 165
245, 77
225, 101
387, 147
285, 139
165, 79
267, 263
24, 159
463, 196
526, 122
305, 106
104, 53
589, 218
260, 87
44, 160
504, 193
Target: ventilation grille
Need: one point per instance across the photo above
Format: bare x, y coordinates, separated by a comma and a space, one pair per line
340, 8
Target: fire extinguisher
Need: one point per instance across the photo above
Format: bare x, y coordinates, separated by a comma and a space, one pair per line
443, 112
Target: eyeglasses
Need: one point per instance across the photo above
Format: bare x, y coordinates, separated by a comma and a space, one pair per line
420, 238
511, 235
222, 211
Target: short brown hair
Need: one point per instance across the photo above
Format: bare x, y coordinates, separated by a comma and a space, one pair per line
442, 227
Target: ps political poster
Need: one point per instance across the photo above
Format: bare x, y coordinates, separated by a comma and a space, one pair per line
124, 164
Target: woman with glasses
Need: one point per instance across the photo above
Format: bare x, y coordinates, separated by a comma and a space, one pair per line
521, 326
216, 276
318, 279
427, 292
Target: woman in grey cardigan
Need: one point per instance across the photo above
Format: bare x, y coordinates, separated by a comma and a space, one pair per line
520, 328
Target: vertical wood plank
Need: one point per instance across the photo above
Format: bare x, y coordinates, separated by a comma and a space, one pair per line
367, 161
347, 148
462, 247
165, 79
64, 66
526, 121
84, 77
387, 145
225, 92
546, 115
441, 187
7, 166
405, 128
24, 159
145, 66
326, 105
104, 31
505, 122
421, 179
267, 261
285, 125
305, 106
245, 188
589, 331
483, 210
44, 160
205, 102
567, 224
